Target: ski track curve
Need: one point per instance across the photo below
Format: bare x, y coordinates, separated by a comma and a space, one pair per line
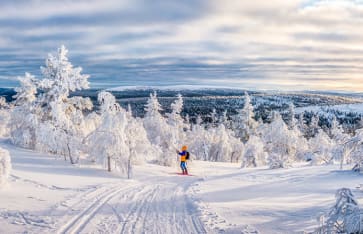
159, 205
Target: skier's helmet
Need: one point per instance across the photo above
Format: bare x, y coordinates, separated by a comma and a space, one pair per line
184, 148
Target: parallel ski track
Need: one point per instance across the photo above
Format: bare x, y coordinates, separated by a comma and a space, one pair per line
80, 220
156, 207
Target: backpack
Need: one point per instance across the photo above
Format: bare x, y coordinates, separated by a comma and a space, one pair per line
187, 156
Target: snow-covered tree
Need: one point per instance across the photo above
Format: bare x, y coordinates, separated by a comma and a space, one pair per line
314, 127
321, 148
214, 118
224, 120
291, 120
340, 150
52, 121
159, 132
25, 116
177, 124
5, 166
221, 150
354, 149
4, 117
280, 143
301, 124
199, 140
244, 124
254, 154
119, 141
344, 217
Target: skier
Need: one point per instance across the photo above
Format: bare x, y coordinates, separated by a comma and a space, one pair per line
183, 159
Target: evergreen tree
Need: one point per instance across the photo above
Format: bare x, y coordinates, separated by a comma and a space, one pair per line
5, 166
243, 123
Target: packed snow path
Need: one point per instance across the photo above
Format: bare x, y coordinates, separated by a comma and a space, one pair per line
158, 206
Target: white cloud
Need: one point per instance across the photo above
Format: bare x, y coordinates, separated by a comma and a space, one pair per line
293, 36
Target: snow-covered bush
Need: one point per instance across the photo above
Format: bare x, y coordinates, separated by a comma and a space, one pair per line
221, 149
4, 117
321, 148
198, 140
344, 217
254, 154
5, 166
280, 143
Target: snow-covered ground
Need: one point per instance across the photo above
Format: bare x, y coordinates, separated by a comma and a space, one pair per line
47, 195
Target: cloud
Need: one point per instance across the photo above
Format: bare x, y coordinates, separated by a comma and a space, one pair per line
185, 41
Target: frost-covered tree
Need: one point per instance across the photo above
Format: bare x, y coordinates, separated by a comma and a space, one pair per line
301, 124
4, 117
244, 124
344, 217
340, 150
254, 154
159, 132
354, 149
61, 113
199, 140
119, 141
56, 120
5, 166
25, 116
291, 120
225, 121
321, 148
314, 127
280, 143
221, 149
177, 124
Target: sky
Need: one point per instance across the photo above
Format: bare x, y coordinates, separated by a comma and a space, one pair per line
275, 44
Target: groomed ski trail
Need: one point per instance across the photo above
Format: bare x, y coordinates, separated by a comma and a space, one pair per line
159, 205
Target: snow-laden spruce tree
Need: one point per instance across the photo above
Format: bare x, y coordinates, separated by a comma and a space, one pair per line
340, 150
301, 124
225, 147
199, 141
5, 166
291, 120
61, 113
313, 127
25, 116
243, 123
178, 127
224, 120
344, 217
57, 120
254, 154
159, 132
4, 117
280, 143
321, 147
355, 146
119, 141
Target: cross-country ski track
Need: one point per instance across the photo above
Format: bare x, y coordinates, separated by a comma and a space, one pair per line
159, 206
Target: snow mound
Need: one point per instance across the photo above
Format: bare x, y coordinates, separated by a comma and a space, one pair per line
5, 166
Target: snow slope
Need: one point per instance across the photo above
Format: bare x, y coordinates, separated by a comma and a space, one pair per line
272, 201
49, 195
46, 195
